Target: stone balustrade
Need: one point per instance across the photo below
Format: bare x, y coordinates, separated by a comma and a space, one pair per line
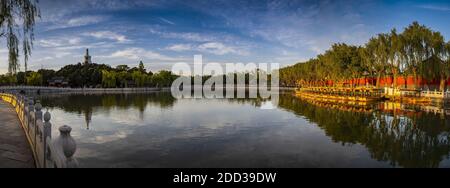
417, 93
47, 152
435, 94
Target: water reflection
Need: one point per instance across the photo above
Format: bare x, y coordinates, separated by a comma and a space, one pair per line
86, 104
404, 135
157, 130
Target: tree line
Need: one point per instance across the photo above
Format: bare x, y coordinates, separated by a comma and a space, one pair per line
93, 75
417, 52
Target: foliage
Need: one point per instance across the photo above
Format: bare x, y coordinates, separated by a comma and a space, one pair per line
162, 79
11, 11
83, 75
34, 79
94, 75
418, 52
139, 78
109, 78
8, 79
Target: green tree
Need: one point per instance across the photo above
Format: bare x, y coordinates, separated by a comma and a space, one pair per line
122, 68
445, 69
108, 79
395, 55
375, 55
139, 78
46, 75
21, 80
8, 79
163, 78
415, 47
122, 78
438, 51
417, 51
34, 79
11, 11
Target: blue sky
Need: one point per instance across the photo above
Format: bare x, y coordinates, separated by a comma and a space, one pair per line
161, 33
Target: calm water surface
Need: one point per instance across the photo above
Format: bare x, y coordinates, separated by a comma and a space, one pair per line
156, 130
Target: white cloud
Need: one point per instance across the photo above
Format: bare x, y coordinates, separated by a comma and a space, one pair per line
49, 43
59, 42
84, 20
435, 7
309, 28
74, 41
76, 22
217, 48
167, 21
179, 47
55, 10
140, 53
195, 37
108, 35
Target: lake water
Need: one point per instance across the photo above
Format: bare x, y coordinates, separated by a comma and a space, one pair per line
156, 130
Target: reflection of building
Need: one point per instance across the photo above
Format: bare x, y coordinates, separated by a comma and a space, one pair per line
87, 58
88, 118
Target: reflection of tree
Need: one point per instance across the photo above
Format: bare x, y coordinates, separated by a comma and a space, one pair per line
257, 102
413, 141
88, 104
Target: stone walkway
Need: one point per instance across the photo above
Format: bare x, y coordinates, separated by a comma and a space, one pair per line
14, 148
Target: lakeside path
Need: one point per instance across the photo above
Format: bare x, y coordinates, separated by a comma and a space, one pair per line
15, 151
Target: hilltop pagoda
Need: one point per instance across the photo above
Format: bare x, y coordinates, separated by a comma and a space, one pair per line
87, 58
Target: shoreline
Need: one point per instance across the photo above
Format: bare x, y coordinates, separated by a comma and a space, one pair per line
38, 89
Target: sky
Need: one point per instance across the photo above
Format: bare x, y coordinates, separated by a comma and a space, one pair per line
161, 33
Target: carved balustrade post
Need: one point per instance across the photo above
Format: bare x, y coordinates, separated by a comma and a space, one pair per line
65, 147
47, 135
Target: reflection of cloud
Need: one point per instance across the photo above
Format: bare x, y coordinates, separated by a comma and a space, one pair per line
101, 139
169, 137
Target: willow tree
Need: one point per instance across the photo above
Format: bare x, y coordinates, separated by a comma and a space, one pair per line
375, 55
436, 50
18, 34
445, 65
109, 78
395, 55
416, 38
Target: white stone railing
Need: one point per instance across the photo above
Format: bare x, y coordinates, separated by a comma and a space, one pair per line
47, 152
435, 94
424, 93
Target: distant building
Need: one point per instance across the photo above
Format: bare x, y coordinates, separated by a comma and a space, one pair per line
58, 82
87, 58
